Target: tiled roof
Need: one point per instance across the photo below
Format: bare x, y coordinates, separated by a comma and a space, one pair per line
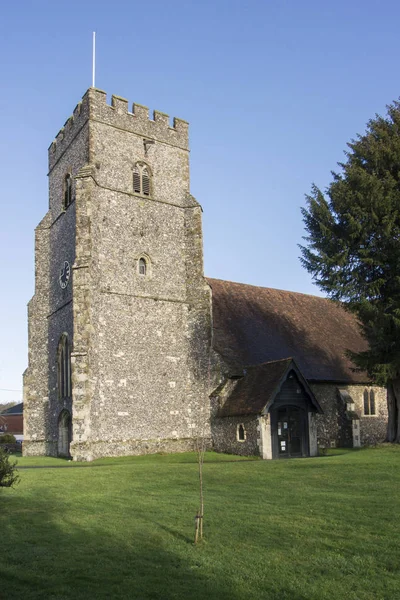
258, 387
253, 325
18, 409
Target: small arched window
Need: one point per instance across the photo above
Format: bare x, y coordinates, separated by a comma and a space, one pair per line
64, 368
67, 190
142, 266
241, 433
141, 179
369, 402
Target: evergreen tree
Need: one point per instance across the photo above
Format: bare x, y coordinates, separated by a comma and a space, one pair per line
353, 248
8, 472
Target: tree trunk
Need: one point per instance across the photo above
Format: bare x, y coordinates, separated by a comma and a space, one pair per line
396, 387
393, 430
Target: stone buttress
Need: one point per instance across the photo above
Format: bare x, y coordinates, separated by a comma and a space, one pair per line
136, 311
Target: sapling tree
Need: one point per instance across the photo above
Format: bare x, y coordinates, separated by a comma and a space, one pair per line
200, 450
201, 447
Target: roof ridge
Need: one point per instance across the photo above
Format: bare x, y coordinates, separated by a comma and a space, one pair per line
260, 287
270, 362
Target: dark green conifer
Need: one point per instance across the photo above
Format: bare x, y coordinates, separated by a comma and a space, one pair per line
353, 248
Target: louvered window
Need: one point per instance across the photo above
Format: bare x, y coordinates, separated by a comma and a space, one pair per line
141, 179
146, 182
67, 190
142, 266
136, 180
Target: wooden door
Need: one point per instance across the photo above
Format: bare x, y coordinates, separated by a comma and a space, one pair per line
290, 432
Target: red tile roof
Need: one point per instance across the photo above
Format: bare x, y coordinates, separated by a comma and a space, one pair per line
253, 325
257, 390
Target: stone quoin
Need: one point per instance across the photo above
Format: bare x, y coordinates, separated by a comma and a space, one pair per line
132, 350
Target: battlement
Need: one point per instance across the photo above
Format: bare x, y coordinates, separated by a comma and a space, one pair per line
93, 106
71, 128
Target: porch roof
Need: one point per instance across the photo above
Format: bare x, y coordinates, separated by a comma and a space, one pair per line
255, 392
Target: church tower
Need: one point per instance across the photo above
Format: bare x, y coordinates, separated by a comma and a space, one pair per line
120, 323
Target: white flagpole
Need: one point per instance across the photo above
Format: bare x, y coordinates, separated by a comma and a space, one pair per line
94, 60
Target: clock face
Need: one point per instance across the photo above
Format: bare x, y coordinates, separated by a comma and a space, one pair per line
65, 275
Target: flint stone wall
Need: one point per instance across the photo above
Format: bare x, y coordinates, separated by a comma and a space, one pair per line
334, 427
149, 335
140, 345
224, 435
141, 366
35, 379
50, 310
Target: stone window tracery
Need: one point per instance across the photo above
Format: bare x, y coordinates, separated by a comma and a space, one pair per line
141, 179
64, 368
369, 402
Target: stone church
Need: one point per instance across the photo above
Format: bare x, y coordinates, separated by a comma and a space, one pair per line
132, 350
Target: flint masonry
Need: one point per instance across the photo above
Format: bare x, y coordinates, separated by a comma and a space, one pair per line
119, 326
132, 350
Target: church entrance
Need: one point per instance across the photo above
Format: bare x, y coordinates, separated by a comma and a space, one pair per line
290, 432
64, 433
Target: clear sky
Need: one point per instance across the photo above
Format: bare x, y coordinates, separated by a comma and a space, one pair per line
272, 89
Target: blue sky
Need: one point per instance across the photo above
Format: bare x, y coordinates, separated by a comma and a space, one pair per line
273, 90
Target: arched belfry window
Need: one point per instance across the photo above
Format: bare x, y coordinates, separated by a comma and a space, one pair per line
146, 181
141, 179
67, 190
142, 266
64, 367
136, 179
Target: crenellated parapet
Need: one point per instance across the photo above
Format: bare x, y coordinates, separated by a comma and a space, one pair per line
93, 106
71, 128
118, 115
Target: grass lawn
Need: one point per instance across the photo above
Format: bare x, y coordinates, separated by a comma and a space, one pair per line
304, 529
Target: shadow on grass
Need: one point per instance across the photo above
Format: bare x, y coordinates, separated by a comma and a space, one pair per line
170, 459
331, 453
176, 534
54, 553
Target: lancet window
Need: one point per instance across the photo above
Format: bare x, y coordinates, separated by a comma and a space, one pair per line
67, 190
369, 402
64, 368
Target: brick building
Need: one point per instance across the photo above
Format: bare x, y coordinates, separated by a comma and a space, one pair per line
12, 421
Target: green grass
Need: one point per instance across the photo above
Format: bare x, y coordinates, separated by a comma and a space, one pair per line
306, 529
